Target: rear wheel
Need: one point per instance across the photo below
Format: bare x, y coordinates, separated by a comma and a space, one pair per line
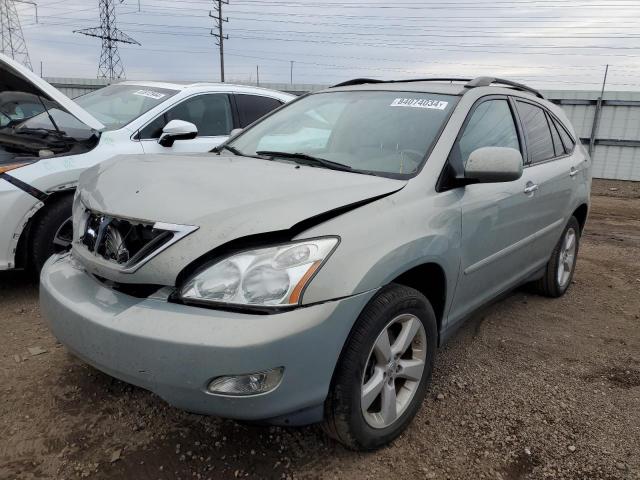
559, 271
51, 232
384, 370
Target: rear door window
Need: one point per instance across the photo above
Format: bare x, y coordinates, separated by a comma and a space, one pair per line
536, 131
211, 113
253, 107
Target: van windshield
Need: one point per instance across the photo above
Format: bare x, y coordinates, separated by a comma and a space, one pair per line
379, 132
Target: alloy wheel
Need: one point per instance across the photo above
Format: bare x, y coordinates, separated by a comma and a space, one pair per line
567, 257
393, 371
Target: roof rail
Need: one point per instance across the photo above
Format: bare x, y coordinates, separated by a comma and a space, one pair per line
487, 81
356, 81
361, 81
470, 83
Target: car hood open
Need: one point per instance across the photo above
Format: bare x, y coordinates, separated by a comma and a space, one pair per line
226, 197
15, 77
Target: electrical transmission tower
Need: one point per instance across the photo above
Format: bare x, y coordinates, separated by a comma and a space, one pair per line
110, 63
216, 14
11, 37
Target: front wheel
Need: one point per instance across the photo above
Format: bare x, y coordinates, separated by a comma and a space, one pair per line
383, 372
560, 268
52, 232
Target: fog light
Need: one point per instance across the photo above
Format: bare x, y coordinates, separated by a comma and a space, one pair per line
250, 384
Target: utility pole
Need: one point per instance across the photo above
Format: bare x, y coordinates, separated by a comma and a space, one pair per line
216, 14
291, 74
12, 41
110, 65
596, 115
258, 75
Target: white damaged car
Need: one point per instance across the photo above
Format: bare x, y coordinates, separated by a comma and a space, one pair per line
48, 140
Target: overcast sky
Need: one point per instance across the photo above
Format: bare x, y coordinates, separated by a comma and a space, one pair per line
545, 43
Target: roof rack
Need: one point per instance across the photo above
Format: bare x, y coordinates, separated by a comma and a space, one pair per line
361, 81
470, 83
487, 81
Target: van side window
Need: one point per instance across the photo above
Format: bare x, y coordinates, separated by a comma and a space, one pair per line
210, 113
490, 125
536, 131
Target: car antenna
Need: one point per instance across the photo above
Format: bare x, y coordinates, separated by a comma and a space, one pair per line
55, 125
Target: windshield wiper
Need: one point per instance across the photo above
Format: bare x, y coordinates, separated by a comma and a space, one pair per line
308, 159
233, 150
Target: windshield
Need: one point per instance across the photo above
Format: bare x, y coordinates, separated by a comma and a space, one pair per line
117, 105
379, 132
114, 106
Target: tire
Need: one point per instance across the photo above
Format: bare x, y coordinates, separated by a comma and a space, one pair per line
345, 420
49, 228
553, 284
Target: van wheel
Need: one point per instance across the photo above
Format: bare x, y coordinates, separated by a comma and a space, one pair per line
51, 232
383, 371
559, 271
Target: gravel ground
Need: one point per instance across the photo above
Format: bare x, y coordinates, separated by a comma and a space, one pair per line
529, 388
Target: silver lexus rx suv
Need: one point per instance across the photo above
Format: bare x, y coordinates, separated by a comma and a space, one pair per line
308, 269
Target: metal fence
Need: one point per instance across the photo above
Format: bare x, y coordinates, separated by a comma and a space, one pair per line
616, 141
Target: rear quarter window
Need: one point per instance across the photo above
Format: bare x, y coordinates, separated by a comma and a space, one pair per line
567, 141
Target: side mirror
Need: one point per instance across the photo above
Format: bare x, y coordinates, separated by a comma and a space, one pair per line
177, 130
235, 132
494, 164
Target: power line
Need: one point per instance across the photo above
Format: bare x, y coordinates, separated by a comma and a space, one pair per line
166, 51
315, 34
449, 29
430, 5
527, 18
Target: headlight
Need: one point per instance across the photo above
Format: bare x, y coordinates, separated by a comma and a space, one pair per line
272, 276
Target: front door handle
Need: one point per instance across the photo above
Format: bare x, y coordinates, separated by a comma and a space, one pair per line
573, 172
530, 188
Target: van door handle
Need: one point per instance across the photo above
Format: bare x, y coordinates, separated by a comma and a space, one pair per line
530, 188
573, 172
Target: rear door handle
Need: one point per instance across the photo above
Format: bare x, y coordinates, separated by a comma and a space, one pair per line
573, 172
530, 188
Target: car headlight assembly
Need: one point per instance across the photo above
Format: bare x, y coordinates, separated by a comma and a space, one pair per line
266, 277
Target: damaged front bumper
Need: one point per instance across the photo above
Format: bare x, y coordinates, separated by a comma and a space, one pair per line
176, 350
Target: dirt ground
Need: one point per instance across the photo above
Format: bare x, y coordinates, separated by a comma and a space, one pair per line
533, 388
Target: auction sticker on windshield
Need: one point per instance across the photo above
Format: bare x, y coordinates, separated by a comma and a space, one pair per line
150, 94
419, 103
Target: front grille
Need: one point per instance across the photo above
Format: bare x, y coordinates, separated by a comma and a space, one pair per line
122, 241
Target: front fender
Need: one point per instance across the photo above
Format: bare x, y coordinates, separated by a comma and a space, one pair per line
16, 208
384, 239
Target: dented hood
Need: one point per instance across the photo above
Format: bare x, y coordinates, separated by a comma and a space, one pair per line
226, 197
